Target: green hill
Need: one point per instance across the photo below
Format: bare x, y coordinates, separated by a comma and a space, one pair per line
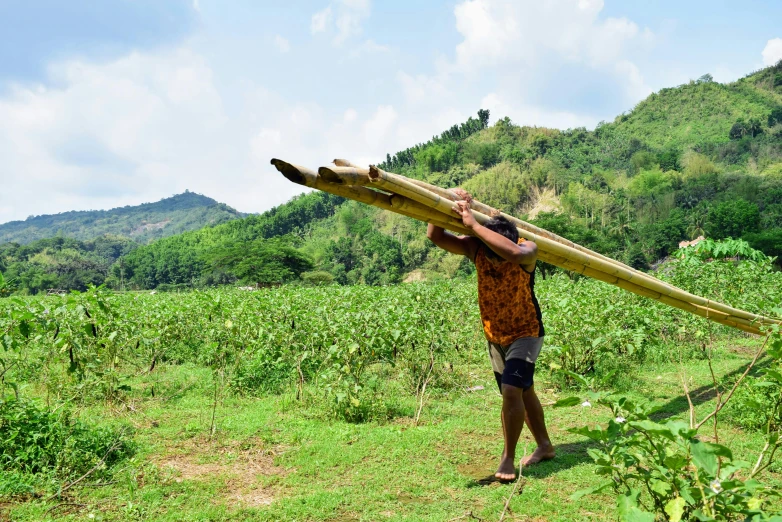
703, 111
143, 223
698, 159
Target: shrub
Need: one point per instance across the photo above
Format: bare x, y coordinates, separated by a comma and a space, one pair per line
485, 154
733, 218
502, 186
318, 277
35, 441
776, 115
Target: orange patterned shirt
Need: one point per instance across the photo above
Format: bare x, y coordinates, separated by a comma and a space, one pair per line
506, 296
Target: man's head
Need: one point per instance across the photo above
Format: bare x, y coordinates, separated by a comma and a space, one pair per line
504, 228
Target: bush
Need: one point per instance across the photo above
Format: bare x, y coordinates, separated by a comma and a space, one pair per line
776, 115
35, 441
733, 218
485, 154
317, 278
769, 242
269, 372
643, 160
502, 187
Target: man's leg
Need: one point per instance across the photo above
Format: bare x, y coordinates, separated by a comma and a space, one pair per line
537, 425
512, 423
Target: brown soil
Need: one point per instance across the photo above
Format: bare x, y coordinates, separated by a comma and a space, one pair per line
240, 470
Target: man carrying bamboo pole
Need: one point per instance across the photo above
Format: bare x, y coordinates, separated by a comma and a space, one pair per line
511, 321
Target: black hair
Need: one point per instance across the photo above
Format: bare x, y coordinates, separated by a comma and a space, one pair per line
503, 227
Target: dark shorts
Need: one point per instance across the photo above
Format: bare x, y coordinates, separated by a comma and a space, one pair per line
514, 365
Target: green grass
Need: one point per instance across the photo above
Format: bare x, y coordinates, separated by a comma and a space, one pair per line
275, 458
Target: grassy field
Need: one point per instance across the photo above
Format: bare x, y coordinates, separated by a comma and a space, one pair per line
278, 458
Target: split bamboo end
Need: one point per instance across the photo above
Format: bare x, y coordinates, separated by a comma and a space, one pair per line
329, 175
295, 173
344, 163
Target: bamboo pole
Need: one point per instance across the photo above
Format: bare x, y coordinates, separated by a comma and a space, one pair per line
434, 211
707, 313
345, 175
345, 163
405, 188
640, 278
309, 178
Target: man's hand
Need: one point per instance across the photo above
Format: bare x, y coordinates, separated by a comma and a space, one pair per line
463, 209
462, 194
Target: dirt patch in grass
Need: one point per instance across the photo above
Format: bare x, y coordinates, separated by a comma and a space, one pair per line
5, 511
240, 470
258, 497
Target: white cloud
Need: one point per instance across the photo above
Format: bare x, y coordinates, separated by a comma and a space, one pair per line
418, 89
367, 47
527, 47
344, 18
528, 35
725, 74
147, 126
282, 44
144, 127
320, 20
772, 53
634, 86
378, 127
533, 116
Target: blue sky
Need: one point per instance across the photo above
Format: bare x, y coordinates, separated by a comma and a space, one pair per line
119, 102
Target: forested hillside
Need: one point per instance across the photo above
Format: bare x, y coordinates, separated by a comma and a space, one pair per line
699, 159
143, 223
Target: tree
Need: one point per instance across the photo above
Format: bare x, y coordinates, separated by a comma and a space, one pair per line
775, 117
754, 127
738, 130
643, 160
261, 261
483, 117
768, 241
733, 218
669, 159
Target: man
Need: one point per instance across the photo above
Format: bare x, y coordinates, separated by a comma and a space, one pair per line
511, 321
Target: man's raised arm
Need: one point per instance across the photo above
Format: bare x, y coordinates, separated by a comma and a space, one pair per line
461, 245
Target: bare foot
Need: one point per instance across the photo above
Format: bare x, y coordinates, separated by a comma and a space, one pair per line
540, 454
507, 471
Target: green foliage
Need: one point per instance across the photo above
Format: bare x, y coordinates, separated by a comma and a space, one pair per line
6, 286
733, 218
34, 441
775, 118
727, 248
658, 469
502, 187
644, 160
485, 154
439, 153
699, 112
62, 263
649, 183
437, 158
665, 469
768, 241
317, 278
260, 261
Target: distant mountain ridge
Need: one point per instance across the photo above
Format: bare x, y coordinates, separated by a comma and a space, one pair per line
143, 223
